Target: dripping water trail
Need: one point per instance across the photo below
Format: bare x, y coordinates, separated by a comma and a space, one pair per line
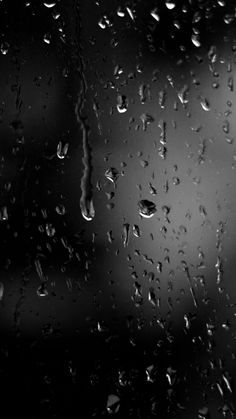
86, 200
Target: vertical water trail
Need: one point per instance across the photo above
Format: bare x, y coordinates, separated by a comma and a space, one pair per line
86, 199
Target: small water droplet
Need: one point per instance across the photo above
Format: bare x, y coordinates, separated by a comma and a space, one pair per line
136, 231
146, 120
47, 38
112, 174
50, 230
4, 48
1, 291
203, 413
205, 104
60, 209
183, 94
42, 291
152, 297
87, 209
126, 230
3, 214
62, 150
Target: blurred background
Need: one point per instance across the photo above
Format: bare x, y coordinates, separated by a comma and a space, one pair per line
117, 208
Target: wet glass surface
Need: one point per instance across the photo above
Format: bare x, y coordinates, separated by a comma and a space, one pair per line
117, 209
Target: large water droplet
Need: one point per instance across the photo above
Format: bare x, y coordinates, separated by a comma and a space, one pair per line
122, 103
49, 4
146, 208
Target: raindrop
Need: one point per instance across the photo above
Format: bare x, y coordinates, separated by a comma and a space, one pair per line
1, 291
130, 12
170, 5
50, 230
87, 209
162, 98
205, 104
196, 40
203, 413
159, 267
226, 126
231, 84
49, 4
183, 94
104, 22
42, 291
155, 15
113, 403
126, 230
146, 119
60, 209
112, 174
3, 214
136, 231
62, 150
4, 47
146, 208
47, 38
152, 297
122, 103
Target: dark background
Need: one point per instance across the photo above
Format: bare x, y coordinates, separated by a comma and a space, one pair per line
63, 354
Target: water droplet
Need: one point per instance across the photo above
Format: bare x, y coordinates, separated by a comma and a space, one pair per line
50, 230
4, 48
162, 98
170, 5
146, 208
3, 214
159, 267
203, 413
112, 174
155, 15
47, 38
122, 103
226, 126
87, 209
60, 209
130, 12
126, 230
42, 290
120, 12
149, 371
146, 119
183, 94
113, 403
136, 231
104, 22
49, 4
152, 297
196, 40
1, 291
205, 104
231, 84
62, 150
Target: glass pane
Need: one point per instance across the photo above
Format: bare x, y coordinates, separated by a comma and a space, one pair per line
117, 210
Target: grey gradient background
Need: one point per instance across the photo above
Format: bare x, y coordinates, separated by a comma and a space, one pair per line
96, 283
